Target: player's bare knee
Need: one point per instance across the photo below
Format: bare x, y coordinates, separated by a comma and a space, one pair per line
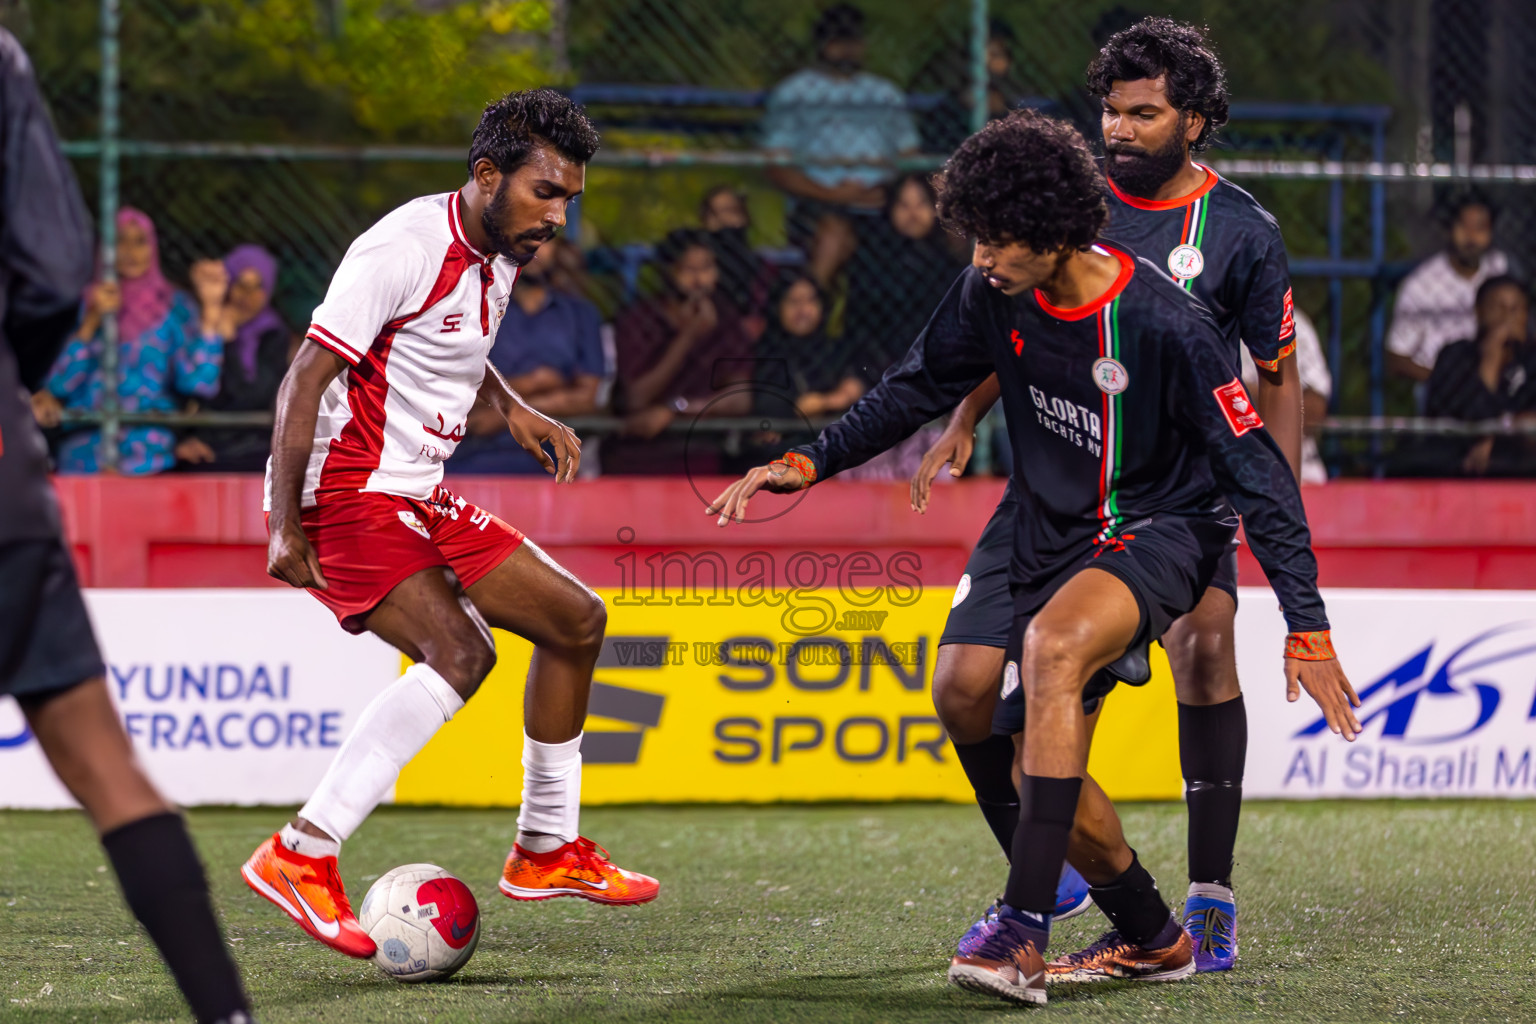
585, 625
965, 714
1052, 659
1204, 664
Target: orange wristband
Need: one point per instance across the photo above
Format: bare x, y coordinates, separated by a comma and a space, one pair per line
1316, 646
807, 468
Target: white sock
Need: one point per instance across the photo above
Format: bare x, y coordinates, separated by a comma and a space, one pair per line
392, 728
306, 845
1210, 890
551, 807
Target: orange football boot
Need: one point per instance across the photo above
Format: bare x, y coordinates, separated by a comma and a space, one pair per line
580, 869
310, 890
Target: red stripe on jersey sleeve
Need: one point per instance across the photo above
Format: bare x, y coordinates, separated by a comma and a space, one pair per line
320, 336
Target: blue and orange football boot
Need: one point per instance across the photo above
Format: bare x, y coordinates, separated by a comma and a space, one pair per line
1072, 899
309, 890
1210, 917
581, 868
1112, 956
1005, 959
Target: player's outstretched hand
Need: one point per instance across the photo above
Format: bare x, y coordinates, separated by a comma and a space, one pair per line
291, 559
1326, 683
954, 446
732, 502
531, 428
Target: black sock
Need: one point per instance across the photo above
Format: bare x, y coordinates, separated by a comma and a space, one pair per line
1046, 809
1213, 745
164, 885
1135, 907
989, 766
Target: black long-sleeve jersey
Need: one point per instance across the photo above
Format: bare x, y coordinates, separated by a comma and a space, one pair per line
1220, 245
1120, 410
45, 261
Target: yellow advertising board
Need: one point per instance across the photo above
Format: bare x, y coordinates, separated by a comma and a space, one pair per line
730, 702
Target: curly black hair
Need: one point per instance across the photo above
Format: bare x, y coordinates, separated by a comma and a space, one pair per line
1025, 178
511, 127
1153, 47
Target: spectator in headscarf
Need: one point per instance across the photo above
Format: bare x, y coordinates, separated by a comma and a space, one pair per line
799, 369
898, 280
744, 276
168, 347
255, 359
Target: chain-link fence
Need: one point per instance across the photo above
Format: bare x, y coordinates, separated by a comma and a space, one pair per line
788, 132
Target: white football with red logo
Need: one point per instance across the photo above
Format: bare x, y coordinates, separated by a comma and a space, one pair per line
424, 921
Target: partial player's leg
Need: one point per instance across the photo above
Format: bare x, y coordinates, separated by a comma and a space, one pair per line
1085, 626
1213, 747
527, 593
968, 671
429, 618
1145, 942
1088, 623
46, 649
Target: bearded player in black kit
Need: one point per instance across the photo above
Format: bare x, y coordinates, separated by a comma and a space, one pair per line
1163, 94
1136, 450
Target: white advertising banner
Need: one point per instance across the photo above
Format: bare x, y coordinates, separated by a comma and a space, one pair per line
229, 696
1447, 681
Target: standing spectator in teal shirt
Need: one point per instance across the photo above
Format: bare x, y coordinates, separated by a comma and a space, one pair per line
168, 348
839, 111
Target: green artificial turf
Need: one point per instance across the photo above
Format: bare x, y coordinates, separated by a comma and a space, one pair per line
1349, 911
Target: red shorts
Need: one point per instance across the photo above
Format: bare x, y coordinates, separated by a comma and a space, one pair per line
368, 543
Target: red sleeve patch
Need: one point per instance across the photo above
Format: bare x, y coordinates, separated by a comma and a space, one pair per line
1288, 317
1237, 408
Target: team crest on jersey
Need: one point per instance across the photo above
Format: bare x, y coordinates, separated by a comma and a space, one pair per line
409, 519
1185, 262
1110, 376
961, 590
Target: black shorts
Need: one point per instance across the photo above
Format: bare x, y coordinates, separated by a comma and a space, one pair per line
46, 641
1167, 562
982, 610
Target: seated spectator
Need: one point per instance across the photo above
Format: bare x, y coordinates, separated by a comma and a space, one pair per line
835, 110
744, 276
1434, 303
255, 359
798, 368
948, 74
677, 353
168, 348
899, 278
1316, 388
549, 347
1490, 377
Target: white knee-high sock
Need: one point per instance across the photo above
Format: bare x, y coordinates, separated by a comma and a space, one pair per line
551, 808
391, 730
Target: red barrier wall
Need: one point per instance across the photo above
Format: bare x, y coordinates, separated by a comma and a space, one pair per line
208, 531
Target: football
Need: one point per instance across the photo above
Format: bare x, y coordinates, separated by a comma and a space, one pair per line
426, 922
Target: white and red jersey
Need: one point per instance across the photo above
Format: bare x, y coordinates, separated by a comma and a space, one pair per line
413, 309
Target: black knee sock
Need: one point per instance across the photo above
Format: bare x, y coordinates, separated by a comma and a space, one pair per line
164, 885
1135, 907
1046, 809
1213, 745
989, 766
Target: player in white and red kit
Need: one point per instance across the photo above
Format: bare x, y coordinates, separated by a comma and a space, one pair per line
375, 401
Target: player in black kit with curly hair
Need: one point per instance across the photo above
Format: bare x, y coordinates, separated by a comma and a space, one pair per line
1163, 95
1136, 451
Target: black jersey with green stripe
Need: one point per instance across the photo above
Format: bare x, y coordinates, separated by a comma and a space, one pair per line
1117, 411
1219, 244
